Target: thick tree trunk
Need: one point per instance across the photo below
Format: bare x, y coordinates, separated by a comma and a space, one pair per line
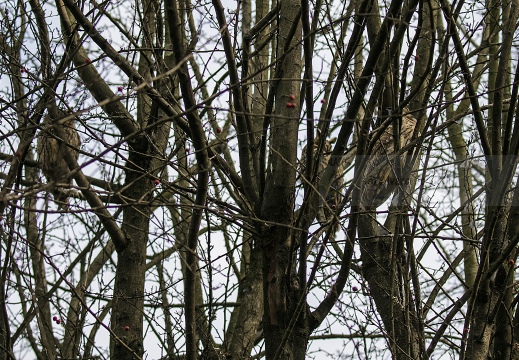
488, 297
380, 268
246, 319
5, 334
285, 336
502, 346
128, 299
281, 293
482, 327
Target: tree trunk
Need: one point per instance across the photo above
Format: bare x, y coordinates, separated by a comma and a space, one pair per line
380, 266
128, 300
246, 319
281, 292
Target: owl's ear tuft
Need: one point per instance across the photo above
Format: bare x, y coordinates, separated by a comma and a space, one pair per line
317, 135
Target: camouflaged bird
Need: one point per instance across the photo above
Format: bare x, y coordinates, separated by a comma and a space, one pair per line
50, 157
380, 179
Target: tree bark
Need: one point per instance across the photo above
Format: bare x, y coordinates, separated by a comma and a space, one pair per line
281, 293
380, 267
245, 323
128, 300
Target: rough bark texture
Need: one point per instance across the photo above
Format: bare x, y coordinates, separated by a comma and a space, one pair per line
5, 335
280, 292
482, 326
380, 266
245, 323
128, 301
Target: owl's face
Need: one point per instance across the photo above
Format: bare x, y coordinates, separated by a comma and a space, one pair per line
327, 148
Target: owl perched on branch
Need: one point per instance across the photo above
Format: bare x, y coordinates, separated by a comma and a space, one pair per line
51, 159
380, 174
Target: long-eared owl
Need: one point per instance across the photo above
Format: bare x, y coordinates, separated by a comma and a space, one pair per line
50, 157
380, 178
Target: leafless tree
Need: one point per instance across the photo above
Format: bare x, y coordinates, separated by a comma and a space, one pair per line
279, 180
